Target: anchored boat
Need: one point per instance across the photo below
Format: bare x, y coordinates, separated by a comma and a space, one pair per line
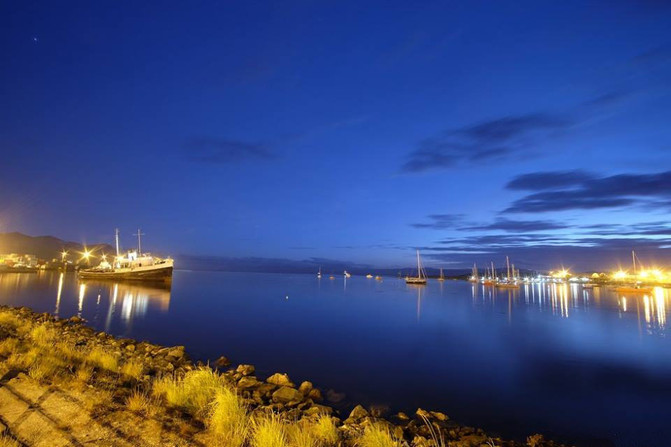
421, 274
133, 266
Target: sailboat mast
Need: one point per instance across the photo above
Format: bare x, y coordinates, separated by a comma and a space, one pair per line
419, 270
493, 271
507, 268
633, 259
116, 238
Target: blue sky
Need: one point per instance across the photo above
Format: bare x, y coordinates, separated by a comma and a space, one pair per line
350, 131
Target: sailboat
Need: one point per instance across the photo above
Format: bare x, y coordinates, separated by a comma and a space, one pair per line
633, 288
421, 275
319, 273
441, 277
491, 279
347, 275
474, 274
510, 282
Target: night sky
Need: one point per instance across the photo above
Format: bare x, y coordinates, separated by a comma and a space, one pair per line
350, 131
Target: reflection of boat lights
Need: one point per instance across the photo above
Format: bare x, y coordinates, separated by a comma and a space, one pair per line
624, 303
646, 308
660, 307
58, 294
82, 289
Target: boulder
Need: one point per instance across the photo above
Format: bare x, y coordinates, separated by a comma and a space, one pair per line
305, 387
287, 394
248, 382
317, 409
280, 380
358, 413
315, 394
245, 370
176, 353
222, 362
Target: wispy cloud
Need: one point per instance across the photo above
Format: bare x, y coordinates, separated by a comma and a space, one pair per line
225, 151
484, 142
517, 226
578, 190
440, 221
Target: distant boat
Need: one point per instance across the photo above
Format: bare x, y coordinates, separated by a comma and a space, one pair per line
369, 276
474, 274
331, 277
319, 273
379, 278
441, 277
633, 289
347, 275
421, 274
509, 282
134, 266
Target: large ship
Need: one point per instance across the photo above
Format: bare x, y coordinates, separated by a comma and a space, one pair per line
133, 266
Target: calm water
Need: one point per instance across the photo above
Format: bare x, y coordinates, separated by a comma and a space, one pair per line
581, 365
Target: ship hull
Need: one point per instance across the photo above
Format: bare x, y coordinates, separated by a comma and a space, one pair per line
157, 274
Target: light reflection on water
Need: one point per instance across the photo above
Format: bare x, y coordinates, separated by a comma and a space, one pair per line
556, 358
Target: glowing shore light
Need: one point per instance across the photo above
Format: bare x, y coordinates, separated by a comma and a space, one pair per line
620, 274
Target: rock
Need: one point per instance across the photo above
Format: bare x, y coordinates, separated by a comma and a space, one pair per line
245, 370
130, 348
423, 414
379, 411
358, 413
222, 362
286, 395
402, 416
440, 416
334, 397
315, 394
317, 409
305, 387
176, 353
280, 380
248, 382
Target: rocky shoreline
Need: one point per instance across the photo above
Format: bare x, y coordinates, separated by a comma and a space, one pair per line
127, 369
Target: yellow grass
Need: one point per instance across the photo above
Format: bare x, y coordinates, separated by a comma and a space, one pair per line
23, 360
103, 359
43, 335
228, 418
132, 368
9, 346
141, 402
69, 351
377, 435
301, 435
9, 320
325, 431
269, 431
194, 392
45, 366
6, 441
84, 373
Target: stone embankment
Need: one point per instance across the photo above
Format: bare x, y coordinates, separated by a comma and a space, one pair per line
64, 384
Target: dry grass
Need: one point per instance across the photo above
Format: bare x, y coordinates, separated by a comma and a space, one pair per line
103, 359
228, 418
269, 431
70, 352
46, 366
141, 402
325, 431
23, 360
133, 368
194, 392
301, 435
9, 346
43, 335
84, 373
6, 441
9, 320
377, 435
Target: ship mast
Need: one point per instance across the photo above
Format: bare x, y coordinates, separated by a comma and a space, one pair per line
507, 269
139, 242
116, 238
633, 259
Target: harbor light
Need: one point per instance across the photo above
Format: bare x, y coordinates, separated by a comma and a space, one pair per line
620, 274
64, 253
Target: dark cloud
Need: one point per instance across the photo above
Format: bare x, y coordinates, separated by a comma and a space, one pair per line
517, 226
487, 141
549, 180
582, 191
224, 151
441, 221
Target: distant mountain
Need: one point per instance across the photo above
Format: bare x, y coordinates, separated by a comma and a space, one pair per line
45, 247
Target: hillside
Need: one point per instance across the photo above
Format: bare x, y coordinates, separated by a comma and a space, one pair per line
44, 247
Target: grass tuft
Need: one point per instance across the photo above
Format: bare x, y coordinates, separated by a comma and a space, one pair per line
43, 335
133, 368
269, 431
84, 373
194, 392
377, 435
45, 367
9, 320
228, 418
9, 346
301, 434
142, 402
103, 359
325, 431
6, 441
